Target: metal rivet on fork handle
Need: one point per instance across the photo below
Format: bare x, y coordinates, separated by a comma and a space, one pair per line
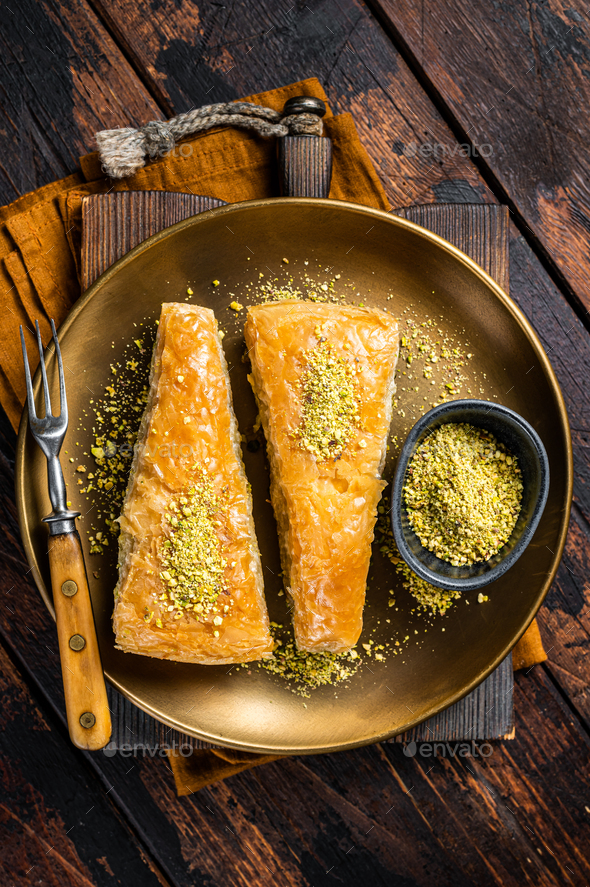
87, 720
69, 588
77, 642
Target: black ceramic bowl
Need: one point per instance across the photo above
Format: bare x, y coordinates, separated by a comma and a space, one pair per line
524, 442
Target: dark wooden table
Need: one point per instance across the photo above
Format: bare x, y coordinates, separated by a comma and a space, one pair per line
455, 101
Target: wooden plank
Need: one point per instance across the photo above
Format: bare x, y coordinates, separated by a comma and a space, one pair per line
481, 231
514, 78
57, 825
489, 815
565, 619
115, 223
486, 713
206, 53
62, 78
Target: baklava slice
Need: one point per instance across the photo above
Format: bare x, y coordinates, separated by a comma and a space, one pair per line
323, 377
190, 580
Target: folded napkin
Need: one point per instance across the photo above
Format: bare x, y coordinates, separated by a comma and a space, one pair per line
208, 765
40, 240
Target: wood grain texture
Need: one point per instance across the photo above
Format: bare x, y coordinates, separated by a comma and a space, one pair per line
515, 78
494, 816
57, 825
290, 823
564, 618
486, 713
481, 231
62, 78
197, 53
305, 166
87, 709
114, 223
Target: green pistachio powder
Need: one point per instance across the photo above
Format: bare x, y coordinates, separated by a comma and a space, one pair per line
463, 494
329, 401
191, 558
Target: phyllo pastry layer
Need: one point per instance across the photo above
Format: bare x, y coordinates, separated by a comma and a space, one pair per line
190, 581
323, 377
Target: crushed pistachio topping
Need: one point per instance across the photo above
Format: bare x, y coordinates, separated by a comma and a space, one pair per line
330, 402
192, 562
307, 671
431, 600
463, 494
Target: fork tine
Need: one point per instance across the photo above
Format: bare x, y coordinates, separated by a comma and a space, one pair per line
43, 371
63, 403
30, 398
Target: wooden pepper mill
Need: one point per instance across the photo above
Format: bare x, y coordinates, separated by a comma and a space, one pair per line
305, 161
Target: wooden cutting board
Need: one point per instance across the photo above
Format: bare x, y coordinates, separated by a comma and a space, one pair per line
115, 223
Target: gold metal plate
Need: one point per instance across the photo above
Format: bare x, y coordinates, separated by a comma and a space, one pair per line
253, 710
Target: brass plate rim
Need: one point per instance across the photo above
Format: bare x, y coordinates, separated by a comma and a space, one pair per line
517, 316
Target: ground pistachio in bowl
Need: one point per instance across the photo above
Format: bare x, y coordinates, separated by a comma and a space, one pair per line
463, 493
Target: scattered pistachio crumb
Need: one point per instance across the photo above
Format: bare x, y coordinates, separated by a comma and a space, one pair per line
431, 600
306, 671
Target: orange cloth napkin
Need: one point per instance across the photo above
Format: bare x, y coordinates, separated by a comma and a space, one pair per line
529, 650
40, 238
208, 765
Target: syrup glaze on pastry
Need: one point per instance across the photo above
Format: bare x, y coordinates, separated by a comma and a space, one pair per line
323, 377
190, 580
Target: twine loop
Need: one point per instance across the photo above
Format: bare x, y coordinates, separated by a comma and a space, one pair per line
158, 138
124, 151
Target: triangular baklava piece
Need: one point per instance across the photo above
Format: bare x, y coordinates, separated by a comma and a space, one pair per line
323, 377
190, 580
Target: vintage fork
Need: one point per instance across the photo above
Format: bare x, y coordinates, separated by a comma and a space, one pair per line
89, 720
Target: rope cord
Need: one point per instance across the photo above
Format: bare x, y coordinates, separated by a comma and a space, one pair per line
124, 151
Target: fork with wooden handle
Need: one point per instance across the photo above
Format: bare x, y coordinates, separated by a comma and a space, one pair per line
89, 719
